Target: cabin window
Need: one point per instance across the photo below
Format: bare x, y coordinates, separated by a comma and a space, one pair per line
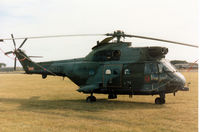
91, 72
108, 72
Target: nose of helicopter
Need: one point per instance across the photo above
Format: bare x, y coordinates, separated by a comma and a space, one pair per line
181, 78
181, 82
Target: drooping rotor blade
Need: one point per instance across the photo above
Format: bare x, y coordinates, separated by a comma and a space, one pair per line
56, 36
15, 62
9, 52
23, 43
106, 40
13, 41
35, 56
162, 40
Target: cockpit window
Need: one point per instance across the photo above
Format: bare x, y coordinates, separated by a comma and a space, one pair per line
160, 68
151, 68
167, 66
164, 66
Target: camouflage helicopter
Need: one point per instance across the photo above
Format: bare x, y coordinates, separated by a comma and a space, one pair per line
113, 67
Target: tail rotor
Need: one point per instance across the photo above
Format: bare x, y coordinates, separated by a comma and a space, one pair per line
15, 50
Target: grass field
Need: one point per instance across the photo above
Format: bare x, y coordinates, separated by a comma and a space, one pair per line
30, 104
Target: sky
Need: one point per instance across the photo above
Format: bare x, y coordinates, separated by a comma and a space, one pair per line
175, 20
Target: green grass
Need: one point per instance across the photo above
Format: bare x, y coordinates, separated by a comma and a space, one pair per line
28, 103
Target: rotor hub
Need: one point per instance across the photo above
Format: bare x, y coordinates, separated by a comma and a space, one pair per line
117, 34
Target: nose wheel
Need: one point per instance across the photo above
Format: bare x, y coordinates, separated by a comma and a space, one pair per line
91, 98
161, 99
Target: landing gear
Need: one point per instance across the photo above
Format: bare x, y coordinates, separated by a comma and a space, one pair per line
91, 98
160, 100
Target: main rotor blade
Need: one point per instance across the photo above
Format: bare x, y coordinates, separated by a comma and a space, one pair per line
56, 36
9, 52
35, 56
13, 41
162, 40
23, 43
15, 62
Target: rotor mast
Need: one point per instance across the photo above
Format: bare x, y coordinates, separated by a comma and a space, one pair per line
117, 34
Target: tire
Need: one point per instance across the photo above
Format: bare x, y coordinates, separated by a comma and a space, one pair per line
157, 101
90, 99
112, 96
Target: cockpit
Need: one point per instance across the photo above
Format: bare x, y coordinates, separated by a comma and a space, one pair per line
164, 72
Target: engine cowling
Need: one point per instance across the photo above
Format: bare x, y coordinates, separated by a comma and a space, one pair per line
157, 52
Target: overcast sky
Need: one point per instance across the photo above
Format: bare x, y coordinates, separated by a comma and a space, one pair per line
175, 20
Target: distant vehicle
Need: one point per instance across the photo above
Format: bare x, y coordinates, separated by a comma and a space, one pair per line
113, 68
184, 64
2, 65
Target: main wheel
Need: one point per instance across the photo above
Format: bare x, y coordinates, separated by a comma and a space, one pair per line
112, 96
159, 101
91, 99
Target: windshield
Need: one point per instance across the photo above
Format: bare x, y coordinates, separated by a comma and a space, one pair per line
168, 66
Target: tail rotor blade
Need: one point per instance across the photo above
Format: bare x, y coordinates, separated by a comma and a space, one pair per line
23, 43
13, 41
15, 62
9, 52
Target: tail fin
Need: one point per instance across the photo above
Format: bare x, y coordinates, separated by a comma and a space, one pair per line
26, 62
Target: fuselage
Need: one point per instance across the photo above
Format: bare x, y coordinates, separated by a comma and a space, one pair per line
115, 67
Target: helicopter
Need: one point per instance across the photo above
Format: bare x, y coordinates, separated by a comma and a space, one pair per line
113, 67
